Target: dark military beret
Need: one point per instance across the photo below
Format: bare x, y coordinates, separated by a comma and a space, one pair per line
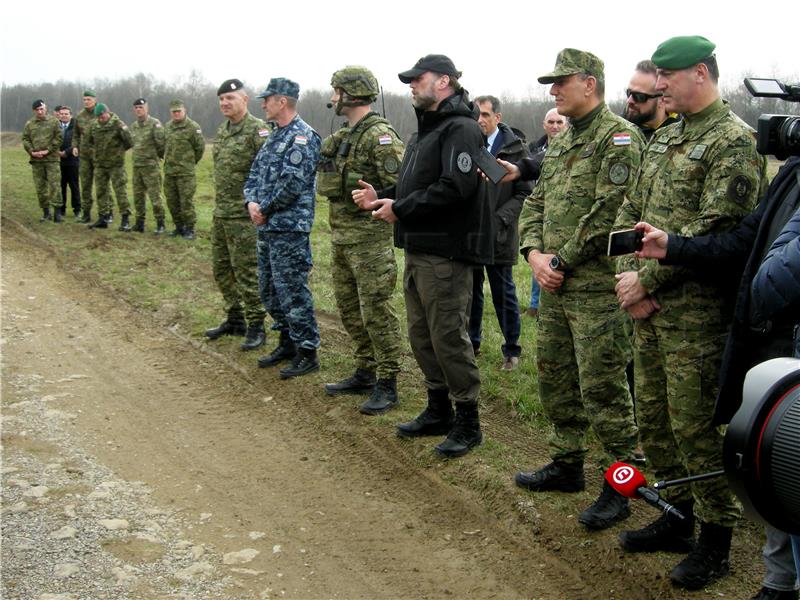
58, 107
37, 103
682, 52
89, 93
571, 62
438, 63
176, 105
139, 102
99, 109
229, 85
280, 86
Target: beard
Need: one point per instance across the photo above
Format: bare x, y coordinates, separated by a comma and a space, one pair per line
640, 118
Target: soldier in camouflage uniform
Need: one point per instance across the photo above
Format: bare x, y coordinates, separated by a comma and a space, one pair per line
363, 266
183, 150
699, 176
84, 120
280, 199
41, 139
581, 348
148, 149
233, 236
107, 140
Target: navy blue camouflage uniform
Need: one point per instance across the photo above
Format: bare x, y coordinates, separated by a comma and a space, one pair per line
281, 182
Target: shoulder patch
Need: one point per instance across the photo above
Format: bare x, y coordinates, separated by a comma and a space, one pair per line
295, 157
300, 140
739, 188
199, 130
385, 139
464, 162
263, 132
622, 139
390, 165
697, 152
618, 173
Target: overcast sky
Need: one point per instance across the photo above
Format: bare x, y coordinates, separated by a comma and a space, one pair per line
501, 47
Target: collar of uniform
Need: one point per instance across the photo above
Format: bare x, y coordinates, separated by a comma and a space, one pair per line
699, 120
235, 127
580, 125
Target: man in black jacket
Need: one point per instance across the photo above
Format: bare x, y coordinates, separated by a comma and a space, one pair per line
723, 256
503, 143
443, 220
70, 165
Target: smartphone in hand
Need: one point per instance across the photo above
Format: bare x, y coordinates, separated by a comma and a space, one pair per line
626, 241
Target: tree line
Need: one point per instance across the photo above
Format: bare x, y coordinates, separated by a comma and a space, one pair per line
201, 101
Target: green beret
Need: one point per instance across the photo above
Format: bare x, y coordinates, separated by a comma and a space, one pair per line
682, 52
176, 105
89, 93
99, 109
571, 62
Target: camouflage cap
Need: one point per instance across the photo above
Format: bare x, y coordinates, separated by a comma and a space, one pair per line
438, 63
280, 86
357, 81
37, 103
176, 105
682, 52
571, 61
89, 93
139, 102
99, 109
230, 85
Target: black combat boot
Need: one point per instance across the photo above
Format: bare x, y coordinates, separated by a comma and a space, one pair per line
86, 218
124, 225
58, 216
160, 228
101, 223
177, 232
382, 399
304, 362
708, 560
233, 325
609, 508
254, 337
139, 226
188, 233
284, 351
768, 593
465, 433
668, 533
110, 216
360, 382
555, 476
45, 215
436, 419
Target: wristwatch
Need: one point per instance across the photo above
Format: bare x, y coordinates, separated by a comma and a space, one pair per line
557, 263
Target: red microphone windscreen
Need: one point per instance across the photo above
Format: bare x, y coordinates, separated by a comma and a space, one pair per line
625, 479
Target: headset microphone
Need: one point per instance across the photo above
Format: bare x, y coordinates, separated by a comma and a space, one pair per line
629, 482
329, 105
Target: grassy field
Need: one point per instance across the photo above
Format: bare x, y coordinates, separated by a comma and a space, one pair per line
171, 278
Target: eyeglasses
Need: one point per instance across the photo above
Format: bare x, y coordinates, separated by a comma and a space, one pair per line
641, 96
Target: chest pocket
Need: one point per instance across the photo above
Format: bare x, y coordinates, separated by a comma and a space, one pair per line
686, 186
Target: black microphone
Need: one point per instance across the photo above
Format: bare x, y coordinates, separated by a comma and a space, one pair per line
651, 496
329, 105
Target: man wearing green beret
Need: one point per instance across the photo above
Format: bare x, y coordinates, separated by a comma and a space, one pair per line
106, 141
582, 349
84, 120
184, 148
41, 139
699, 176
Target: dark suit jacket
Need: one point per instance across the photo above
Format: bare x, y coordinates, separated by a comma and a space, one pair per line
66, 145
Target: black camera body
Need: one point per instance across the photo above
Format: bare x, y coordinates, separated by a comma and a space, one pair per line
778, 135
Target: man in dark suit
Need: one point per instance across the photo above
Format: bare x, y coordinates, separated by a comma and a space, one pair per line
70, 164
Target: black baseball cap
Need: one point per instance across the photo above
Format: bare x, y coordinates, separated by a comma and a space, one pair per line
438, 63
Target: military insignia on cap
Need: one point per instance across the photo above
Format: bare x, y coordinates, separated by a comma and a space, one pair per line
385, 139
622, 139
390, 165
301, 140
618, 173
295, 157
464, 162
233, 85
697, 152
739, 188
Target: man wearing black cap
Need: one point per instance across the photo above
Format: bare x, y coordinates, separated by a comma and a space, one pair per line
233, 237
699, 176
148, 150
41, 139
443, 220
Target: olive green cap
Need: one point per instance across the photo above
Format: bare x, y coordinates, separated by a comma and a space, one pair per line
176, 105
99, 109
682, 52
571, 61
89, 93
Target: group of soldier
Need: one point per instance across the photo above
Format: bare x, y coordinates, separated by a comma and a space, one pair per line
697, 175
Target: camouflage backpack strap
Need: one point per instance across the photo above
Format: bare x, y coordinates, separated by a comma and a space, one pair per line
350, 179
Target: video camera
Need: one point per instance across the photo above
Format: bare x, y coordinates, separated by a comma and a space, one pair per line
777, 134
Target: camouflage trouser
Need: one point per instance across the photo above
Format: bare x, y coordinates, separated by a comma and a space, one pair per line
47, 181
437, 292
363, 283
284, 261
581, 353
179, 191
106, 177
87, 179
235, 265
676, 383
147, 182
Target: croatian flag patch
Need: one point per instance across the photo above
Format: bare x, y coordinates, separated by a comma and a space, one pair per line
385, 139
263, 132
303, 140
622, 139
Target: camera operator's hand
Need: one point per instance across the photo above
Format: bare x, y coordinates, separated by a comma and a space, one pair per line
549, 279
629, 290
654, 242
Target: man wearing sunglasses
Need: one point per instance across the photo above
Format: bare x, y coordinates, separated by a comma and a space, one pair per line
645, 106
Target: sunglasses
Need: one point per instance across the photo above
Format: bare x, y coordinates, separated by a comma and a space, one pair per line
641, 96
